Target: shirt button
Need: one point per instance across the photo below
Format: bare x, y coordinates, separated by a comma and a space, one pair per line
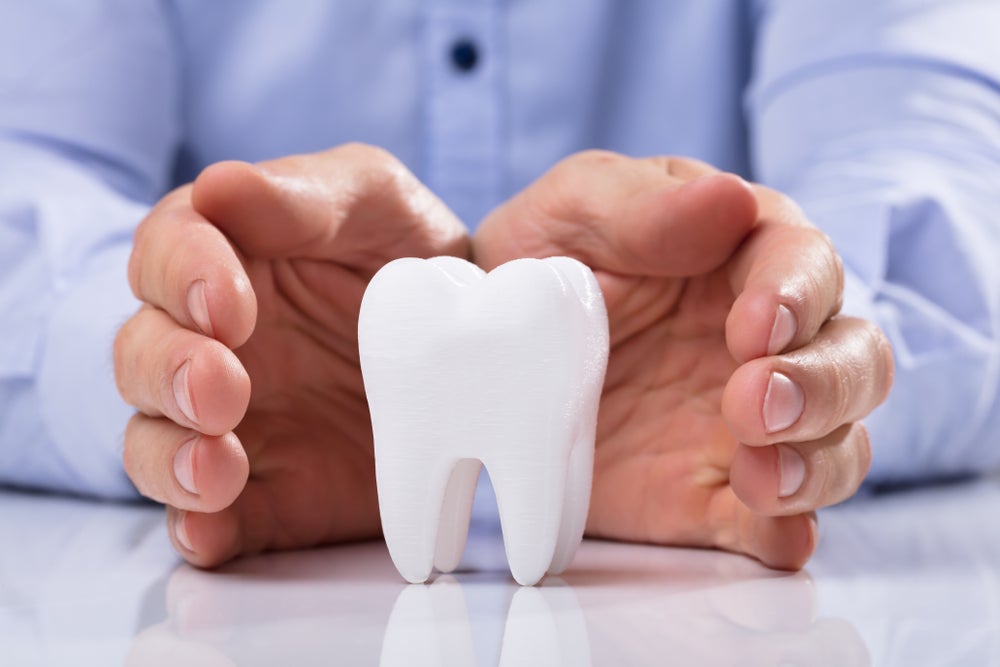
464, 55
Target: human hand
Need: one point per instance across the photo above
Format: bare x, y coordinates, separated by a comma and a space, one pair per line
733, 393
253, 277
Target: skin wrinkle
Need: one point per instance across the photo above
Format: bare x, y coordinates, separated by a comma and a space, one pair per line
287, 478
838, 364
573, 234
820, 463
257, 520
710, 475
292, 188
636, 389
702, 469
643, 306
310, 325
295, 315
424, 205
285, 285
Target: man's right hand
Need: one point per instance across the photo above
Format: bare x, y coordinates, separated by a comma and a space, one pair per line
253, 426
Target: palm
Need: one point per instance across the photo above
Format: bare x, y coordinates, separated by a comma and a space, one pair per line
307, 431
663, 449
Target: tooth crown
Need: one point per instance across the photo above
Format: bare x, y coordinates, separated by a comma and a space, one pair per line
461, 369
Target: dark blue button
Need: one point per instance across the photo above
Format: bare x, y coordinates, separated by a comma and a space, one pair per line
464, 55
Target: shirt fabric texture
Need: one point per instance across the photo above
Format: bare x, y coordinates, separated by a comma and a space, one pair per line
881, 119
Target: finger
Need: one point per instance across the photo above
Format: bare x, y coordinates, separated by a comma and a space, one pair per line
838, 378
325, 501
183, 468
163, 369
792, 478
779, 542
622, 215
355, 204
699, 510
219, 535
184, 265
788, 280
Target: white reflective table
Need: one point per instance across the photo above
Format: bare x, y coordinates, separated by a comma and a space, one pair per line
910, 578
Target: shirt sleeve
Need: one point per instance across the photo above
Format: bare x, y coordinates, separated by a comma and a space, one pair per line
882, 119
88, 128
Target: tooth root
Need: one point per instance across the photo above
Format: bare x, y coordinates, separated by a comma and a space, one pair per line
411, 493
456, 511
530, 499
575, 505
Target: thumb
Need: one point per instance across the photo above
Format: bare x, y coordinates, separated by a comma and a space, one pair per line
623, 215
354, 204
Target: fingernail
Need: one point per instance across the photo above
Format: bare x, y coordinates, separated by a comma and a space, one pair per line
180, 532
783, 330
182, 393
198, 306
793, 471
184, 467
783, 403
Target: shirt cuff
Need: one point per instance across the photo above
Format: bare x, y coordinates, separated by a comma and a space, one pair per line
79, 404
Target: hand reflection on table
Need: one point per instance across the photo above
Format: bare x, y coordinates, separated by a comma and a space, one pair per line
916, 574
618, 604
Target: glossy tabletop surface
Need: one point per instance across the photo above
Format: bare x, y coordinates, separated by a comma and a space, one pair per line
908, 578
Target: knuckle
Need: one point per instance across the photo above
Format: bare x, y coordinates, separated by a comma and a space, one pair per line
865, 453
369, 154
130, 460
156, 233
826, 257
590, 158
381, 173
841, 465
118, 353
136, 257
124, 363
779, 207
832, 373
683, 168
887, 359
566, 187
835, 268
822, 470
850, 460
817, 281
878, 359
840, 392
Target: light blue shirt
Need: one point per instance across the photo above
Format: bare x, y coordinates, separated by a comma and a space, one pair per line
881, 118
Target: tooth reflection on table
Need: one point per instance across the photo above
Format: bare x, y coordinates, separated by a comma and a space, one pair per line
435, 625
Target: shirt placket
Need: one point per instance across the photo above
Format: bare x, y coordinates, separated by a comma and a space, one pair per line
463, 114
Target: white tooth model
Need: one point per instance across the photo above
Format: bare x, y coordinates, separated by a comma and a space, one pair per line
464, 369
